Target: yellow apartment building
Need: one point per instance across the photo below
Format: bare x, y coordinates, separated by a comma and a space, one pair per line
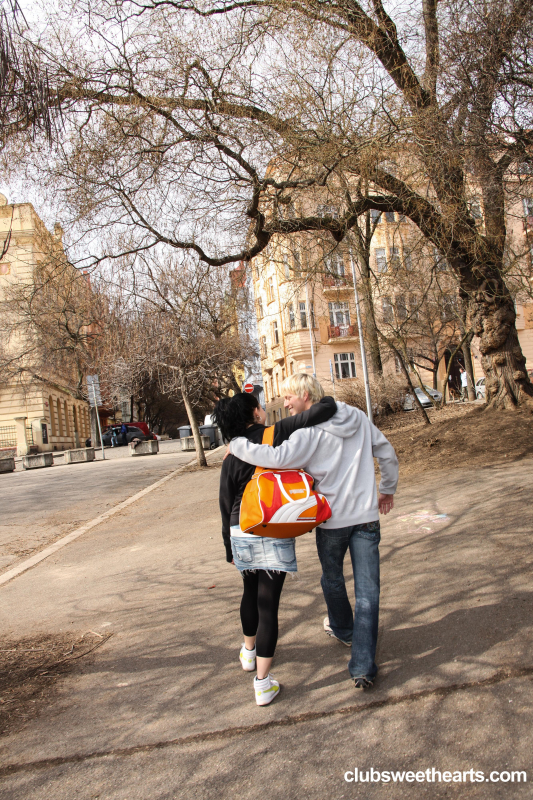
305, 303
51, 417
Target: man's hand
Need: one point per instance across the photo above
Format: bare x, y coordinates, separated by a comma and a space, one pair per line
385, 503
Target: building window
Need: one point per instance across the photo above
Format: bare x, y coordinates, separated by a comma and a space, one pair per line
303, 315
277, 384
375, 215
395, 258
527, 202
401, 308
266, 392
264, 349
327, 211
275, 332
339, 313
52, 416
292, 367
414, 306
67, 426
344, 365
283, 374
387, 310
292, 318
475, 208
334, 263
286, 266
441, 265
407, 261
270, 289
297, 262
59, 420
381, 259
260, 312
449, 306
389, 216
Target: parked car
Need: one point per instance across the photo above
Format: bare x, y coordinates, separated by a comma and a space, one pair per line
133, 433
480, 389
423, 396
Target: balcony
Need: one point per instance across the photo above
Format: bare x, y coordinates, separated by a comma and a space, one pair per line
337, 284
341, 332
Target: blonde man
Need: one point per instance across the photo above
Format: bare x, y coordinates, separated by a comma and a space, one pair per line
339, 454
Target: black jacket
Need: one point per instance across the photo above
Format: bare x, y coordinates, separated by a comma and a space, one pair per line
236, 473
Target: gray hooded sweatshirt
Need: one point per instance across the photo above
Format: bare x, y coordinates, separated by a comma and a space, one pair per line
339, 454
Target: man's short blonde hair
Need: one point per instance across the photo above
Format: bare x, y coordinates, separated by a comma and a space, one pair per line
300, 383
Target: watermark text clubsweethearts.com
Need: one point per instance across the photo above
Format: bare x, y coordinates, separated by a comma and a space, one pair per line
432, 775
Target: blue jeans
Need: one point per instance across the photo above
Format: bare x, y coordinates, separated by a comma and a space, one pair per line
361, 628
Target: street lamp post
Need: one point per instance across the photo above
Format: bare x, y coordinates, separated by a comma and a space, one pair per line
310, 324
362, 344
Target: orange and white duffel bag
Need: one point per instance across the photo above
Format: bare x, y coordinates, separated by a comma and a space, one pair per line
281, 503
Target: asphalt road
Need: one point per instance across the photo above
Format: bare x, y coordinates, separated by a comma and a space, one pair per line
39, 506
162, 710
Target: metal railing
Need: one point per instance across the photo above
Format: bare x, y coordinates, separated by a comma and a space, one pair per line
339, 331
337, 281
8, 436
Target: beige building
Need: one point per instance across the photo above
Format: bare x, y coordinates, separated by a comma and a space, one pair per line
35, 414
305, 304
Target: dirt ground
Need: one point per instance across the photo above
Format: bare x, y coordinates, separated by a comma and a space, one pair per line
29, 669
459, 435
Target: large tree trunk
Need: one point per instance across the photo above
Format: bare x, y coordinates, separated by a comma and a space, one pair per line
469, 368
200, 455
493, 319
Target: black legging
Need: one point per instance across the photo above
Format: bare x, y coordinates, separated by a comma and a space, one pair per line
259, 608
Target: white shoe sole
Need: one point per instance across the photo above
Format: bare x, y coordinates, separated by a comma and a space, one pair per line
265, 698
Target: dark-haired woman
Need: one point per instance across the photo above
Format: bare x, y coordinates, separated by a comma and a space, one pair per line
262, 561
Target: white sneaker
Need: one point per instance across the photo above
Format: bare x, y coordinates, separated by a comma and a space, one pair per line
247, 659
328, 630
265, 690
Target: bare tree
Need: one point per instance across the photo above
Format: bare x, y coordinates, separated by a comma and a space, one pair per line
179, 329
189, 123
50, 321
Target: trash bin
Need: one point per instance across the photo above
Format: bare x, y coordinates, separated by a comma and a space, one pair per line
213, 433
185, 431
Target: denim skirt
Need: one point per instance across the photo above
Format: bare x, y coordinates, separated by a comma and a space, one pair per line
263, 552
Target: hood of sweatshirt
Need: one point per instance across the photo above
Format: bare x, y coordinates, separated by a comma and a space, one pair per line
345, 422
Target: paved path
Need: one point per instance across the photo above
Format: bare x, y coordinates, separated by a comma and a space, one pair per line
163, 711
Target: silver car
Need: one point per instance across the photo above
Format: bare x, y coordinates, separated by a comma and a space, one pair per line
480, 389
423, 396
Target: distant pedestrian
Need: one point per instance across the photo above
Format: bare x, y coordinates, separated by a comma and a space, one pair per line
124, 432
464, 384
114, 437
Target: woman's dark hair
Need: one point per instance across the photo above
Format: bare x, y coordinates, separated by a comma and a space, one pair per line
234, 414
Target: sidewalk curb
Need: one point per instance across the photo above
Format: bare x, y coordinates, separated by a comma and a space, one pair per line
5, 577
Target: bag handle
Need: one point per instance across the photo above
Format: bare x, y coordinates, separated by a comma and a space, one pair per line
286, 495
268, 438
